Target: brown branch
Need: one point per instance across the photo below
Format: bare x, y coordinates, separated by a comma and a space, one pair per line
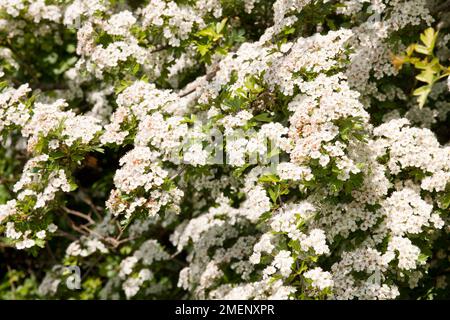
4, 245
86, 199
65, 235
79, 214
77, 228
160, 49
209, 76
114, 242
49, 250
48, 86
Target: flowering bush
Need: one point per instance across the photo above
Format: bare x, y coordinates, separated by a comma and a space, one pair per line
224, 149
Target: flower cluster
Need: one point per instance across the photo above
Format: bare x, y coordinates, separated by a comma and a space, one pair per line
213, 149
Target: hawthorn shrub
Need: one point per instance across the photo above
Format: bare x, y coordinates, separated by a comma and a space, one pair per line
224, 149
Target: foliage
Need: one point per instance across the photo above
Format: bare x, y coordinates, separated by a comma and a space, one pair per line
217, 149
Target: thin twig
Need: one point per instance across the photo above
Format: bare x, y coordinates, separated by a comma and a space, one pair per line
86, 199
160, 49
65, 235
79, 214
208, 77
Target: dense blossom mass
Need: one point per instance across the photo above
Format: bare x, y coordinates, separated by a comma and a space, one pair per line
216, 149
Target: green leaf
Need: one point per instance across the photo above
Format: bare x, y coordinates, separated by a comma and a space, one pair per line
269, 178
122, 86
428, 38
136, 68
294, 244
73, 186
426, 75
422, 49
288, 31
266, 215
422, 93
99, 149
419, 64
422, 258
3, 84
220, 26
410, 49
203, 49
445, 201
57, 155
274, 194
263, 117
207, 32
40, 243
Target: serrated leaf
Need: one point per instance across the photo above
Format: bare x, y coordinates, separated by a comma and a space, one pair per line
207, 32
428, 38
273, 195
422, 93
269, 178
410, 49
220, 26
203, 49
426, 75
422, 49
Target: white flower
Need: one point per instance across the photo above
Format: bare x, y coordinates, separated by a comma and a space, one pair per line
41, 234
283, 262
52, 228
119, 23
7, 209
408, 253
315, 240
320, 279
